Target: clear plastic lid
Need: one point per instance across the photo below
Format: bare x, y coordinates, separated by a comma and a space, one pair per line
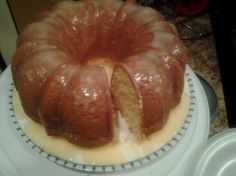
217, 157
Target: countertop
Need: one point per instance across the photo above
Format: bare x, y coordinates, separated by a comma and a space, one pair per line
203, 60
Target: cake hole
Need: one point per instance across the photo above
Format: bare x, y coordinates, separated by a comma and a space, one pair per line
106, 63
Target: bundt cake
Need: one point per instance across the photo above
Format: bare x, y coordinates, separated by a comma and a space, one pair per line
81, 62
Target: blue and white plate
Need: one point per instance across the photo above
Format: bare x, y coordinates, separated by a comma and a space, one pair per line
23, 157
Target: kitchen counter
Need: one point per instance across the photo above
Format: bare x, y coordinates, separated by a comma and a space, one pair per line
203, 60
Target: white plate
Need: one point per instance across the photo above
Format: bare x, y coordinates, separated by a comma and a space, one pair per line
20, 157
217, 157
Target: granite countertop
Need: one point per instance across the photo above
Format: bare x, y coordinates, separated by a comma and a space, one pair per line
203, 60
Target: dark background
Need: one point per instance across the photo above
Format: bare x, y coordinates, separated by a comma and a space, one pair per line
223, 17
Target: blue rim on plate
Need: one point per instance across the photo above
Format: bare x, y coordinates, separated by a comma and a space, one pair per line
116, 167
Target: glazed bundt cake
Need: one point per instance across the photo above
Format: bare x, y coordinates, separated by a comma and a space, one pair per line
79, 64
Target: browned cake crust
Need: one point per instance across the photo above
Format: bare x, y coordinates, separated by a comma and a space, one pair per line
62, 85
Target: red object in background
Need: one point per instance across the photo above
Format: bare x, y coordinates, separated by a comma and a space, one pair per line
190, 7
